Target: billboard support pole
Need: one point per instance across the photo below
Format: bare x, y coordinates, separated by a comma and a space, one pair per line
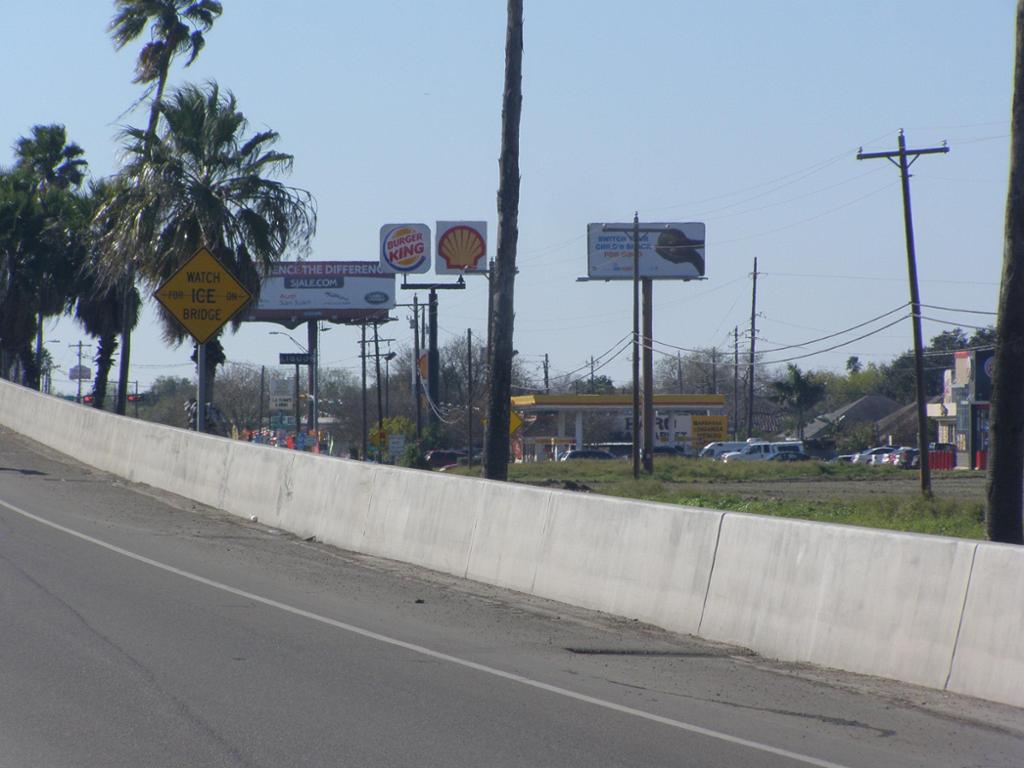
648, 359
636, 345
433, 358
416, 366
362, 358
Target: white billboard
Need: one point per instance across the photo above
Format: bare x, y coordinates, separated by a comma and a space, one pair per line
405, 248
340, 291
461, 248
668, 251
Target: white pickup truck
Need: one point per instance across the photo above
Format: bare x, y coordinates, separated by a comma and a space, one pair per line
751, 452
762, 451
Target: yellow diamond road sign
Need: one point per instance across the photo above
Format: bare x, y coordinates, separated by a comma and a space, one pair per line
202, 295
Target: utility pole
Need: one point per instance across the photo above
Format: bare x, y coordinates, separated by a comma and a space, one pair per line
679, 372
547, 388
591, 374
915, 299
714, 371
469, 394
502, 286
735, 381
79, 345
753, 338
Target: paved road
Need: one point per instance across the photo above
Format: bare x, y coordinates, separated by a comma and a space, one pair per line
137, 629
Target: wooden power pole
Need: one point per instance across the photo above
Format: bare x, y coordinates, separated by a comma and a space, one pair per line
899, 158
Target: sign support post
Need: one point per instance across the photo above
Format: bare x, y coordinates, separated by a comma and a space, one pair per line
659, 251
201, 389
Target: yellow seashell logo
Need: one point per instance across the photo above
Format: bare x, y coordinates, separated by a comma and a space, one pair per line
461, 247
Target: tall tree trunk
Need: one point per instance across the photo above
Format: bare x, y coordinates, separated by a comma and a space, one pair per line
1006, 437
107, 346
496, 447
121, 406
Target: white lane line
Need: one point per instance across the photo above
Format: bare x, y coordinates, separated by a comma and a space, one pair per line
419, 649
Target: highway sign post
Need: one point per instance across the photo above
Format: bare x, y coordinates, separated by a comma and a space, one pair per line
202, 296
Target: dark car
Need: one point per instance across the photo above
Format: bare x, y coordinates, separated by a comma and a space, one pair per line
439, 457
790, 456
905, 457
586, 453
669, 450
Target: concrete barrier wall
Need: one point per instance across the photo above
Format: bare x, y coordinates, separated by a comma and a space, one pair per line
989, 658
868, 601
939, 612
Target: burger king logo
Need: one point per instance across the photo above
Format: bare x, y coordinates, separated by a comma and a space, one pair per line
405, 248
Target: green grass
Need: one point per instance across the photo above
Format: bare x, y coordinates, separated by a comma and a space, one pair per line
872, 497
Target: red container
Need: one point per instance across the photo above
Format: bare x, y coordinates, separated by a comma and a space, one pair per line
981, 460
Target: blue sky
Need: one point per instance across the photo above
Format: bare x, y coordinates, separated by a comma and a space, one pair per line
744, 115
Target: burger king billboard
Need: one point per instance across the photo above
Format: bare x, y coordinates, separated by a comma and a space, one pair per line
405, 248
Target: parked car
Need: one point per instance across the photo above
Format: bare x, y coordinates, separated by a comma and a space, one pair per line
867, 456
669, 450
586, 453
905, 457
789, 456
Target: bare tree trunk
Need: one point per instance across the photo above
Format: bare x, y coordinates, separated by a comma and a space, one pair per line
496, 446
1006, 445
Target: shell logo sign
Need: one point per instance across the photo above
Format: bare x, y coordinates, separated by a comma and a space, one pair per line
405, 248
461, 247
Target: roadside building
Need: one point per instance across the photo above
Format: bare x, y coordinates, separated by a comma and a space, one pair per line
962, 416
684, 422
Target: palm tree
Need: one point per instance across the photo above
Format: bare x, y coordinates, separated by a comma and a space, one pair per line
175, 27
100, 304
52, 166
49, 159
202, 182
40, 239
798, 393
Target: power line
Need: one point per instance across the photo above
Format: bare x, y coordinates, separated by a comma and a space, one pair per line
872, 278
957, 325
628, 336
952, 309
837, 346
887, 185
839, 333
801, 174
